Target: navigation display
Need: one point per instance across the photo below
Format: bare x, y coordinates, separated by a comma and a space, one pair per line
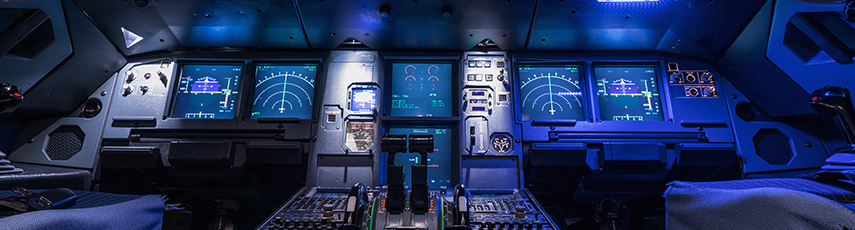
207, 91
363, 99
628, 93
284, 91
439, 161
421, 89
551, 92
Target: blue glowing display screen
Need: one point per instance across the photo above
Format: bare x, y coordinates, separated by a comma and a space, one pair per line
363, 99
421, 89
284, 91
439, 161
207, 91
551, 92
628, 93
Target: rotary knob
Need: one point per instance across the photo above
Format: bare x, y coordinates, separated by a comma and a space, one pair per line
708, 77
677, 77
328, 211
694, 92
127, 90
691, 78
131, 77
711, 91
519, 212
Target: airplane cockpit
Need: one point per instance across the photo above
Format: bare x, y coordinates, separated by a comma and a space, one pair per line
427, 115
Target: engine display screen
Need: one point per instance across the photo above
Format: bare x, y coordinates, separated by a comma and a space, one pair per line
284, 91
439, 161
421, 89
207, 91
628, 93
551, 92
363, 99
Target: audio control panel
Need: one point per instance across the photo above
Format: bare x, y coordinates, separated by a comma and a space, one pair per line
691, 83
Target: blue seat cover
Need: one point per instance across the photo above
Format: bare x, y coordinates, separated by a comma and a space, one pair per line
758, 204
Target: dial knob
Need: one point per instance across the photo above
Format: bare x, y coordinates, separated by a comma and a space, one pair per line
131, 77
147, 76
708, 77
691, 78
711, 91
677, 77
519, 212
127, 90
694, 92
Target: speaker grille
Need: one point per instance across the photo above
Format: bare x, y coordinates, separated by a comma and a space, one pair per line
64, 142
774, 147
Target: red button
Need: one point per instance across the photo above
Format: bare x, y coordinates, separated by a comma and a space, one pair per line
16, 95
814, 99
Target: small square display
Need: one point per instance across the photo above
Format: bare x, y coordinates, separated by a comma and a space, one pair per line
363, 99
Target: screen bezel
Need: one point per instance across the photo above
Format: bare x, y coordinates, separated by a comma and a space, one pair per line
239, 101
455, 92
657, 67
583, 78
319, 83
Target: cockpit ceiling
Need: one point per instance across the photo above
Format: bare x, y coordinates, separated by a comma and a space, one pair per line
697, 28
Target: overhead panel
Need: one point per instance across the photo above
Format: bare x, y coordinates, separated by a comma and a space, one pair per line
694, 28
164, 25
407, 24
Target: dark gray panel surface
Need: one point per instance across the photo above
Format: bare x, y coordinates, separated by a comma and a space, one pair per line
67, 86
695, 28
170, 24
417, 24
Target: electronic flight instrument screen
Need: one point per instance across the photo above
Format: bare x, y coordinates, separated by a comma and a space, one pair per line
284, 91
421, 89
439, 161
628, 93
207, 91
551, 92
363, 99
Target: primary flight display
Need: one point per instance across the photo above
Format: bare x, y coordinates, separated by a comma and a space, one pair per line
628, 93
207, 91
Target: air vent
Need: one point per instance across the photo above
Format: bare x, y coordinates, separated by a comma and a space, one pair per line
774, 147
64, 142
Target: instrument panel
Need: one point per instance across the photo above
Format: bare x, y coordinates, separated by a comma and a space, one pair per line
482, 109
